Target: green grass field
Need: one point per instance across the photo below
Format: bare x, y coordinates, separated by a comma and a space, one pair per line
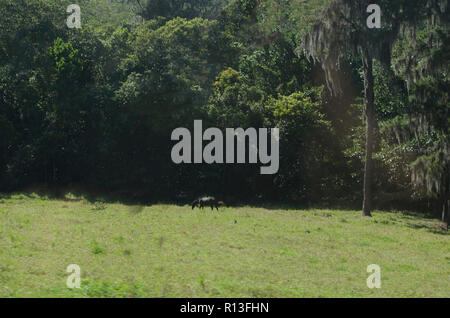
172, 251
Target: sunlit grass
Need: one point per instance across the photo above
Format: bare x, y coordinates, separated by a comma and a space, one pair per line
172, 251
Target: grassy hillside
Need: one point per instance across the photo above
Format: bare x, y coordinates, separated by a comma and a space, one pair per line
172, 251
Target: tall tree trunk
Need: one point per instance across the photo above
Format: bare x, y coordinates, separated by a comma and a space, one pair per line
445, 212
445, 202
445, 196
369, 103
447, 208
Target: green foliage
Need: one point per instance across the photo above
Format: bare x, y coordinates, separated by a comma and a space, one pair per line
419, 57
390, 93
66, 59
234, 103
169, 9
298, 106
304, 128
75, 105
292, 18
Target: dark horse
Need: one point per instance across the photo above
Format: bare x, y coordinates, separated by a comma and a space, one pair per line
207, 201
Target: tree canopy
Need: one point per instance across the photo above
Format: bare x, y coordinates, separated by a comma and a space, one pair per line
96, 106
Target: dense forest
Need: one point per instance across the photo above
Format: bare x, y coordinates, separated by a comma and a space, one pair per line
94, 107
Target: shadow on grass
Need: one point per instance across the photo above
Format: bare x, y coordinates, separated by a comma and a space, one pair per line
412, 219
138, 199
433, 228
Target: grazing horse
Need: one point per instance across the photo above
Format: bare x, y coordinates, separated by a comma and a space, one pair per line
207, 201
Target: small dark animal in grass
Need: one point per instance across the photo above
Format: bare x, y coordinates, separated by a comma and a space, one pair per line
207, 201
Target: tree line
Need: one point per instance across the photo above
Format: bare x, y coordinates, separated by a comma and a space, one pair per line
96, 106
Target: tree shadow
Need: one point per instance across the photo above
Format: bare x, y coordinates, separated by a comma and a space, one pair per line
137, 200
432, 228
